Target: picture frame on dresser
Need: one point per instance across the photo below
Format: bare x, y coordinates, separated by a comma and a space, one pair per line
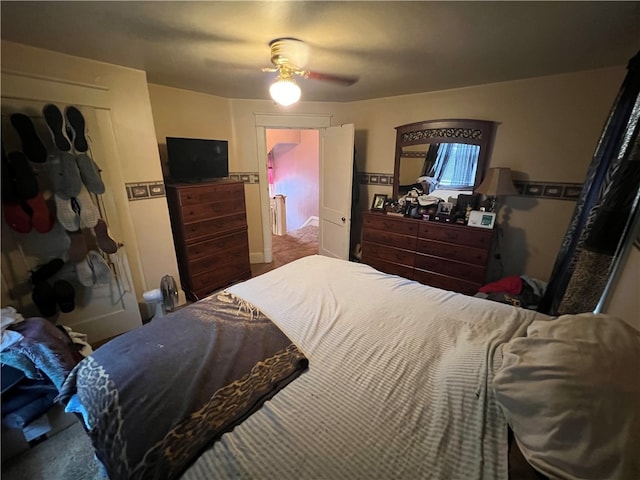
465, 201
445, 208
379, 200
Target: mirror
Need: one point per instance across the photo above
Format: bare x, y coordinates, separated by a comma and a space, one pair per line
446, 155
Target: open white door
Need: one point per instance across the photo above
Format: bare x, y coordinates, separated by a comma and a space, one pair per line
336, 177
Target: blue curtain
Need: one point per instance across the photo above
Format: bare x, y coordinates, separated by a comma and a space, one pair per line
602, 221
456, 164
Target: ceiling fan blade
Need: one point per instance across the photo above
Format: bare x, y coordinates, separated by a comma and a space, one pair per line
341, 79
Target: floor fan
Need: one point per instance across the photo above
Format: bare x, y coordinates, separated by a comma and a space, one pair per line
163, 299
169, 293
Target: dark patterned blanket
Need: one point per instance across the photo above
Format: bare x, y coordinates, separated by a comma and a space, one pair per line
157, 396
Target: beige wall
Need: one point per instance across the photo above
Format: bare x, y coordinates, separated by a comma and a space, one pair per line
548, 129
180, 113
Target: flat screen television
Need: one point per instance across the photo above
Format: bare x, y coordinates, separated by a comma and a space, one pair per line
195, 160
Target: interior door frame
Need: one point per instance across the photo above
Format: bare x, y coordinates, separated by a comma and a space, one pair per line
263, 122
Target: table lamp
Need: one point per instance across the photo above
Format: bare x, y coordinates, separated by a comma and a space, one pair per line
497, 183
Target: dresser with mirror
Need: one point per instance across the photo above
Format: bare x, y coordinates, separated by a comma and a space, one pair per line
442, 158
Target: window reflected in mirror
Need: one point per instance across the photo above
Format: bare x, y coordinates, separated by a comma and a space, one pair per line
449, 166
442, 157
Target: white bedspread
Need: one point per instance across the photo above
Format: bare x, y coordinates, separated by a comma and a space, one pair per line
397, 385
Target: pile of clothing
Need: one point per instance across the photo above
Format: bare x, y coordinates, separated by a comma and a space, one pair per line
36, 358
519, 291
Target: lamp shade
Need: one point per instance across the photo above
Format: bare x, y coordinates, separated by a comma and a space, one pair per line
285, 91
497, 183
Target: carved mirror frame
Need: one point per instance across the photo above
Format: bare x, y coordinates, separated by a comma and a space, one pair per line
475, 132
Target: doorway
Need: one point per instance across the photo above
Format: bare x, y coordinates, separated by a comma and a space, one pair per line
335, 179
276, 121
293, 158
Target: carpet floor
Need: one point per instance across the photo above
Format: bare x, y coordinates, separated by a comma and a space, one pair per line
287, 248
68, 455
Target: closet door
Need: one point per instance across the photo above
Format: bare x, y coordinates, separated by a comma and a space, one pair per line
104, 308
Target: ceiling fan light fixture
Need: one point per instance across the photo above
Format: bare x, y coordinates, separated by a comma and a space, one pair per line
285, 91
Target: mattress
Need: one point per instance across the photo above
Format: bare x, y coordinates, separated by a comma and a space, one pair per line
398, 384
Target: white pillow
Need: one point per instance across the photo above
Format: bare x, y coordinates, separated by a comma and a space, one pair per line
570, 391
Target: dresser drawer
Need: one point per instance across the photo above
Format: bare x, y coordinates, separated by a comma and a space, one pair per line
236, 253
215, 246
383, 237
222, 276
214, 226
209, 226
205, 211
452, 251
451, 268
445, 282
390, 224
457, 234
447, 256
391, 268
211, 193
372, 251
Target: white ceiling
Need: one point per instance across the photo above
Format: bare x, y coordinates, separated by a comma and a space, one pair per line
393, 47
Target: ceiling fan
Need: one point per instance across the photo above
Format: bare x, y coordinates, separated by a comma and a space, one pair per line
289, 56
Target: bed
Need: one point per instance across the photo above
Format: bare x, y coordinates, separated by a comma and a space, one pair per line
383, 378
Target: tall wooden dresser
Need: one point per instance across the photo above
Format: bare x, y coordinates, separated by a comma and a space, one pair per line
444, 255
209, 225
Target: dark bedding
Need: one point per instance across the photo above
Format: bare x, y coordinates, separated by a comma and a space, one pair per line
204, 369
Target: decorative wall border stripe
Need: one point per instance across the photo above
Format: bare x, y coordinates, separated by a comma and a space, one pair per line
153, 189
550, 190
376, 178
414, 154
144, 190
246, 177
